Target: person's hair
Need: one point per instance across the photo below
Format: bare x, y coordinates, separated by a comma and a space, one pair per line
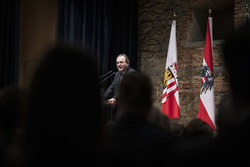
124, 55
176, 127
198, 128
159, 119
135, 93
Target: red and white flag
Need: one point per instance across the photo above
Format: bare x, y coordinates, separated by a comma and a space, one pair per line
206, 105
170, 96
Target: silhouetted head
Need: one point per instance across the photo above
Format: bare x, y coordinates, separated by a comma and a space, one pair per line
135, 94
176, 127
198, 128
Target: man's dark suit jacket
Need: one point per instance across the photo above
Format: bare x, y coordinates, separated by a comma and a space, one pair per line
112, 91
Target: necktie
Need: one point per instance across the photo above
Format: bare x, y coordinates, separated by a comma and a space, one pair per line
121, 76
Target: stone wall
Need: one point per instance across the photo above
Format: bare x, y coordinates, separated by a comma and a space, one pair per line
154, 24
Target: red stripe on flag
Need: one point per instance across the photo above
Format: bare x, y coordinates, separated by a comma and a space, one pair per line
171, 108
203, 115
167, 94
208, 48
164, 95
171, 84
172, 92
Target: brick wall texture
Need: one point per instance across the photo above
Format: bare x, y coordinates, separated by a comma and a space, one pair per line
154, 24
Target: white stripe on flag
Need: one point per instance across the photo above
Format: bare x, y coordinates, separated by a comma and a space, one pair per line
171, 89
164, 99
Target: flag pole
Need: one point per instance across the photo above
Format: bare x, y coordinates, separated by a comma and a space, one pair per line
210, 11
247, 14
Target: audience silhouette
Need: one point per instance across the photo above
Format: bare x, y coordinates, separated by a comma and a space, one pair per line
198, 129
234, 141
159, 119
176, 127
64, 112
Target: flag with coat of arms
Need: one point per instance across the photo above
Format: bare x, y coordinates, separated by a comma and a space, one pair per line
170, 96
206, 104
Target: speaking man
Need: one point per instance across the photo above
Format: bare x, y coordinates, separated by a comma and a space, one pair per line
122, 64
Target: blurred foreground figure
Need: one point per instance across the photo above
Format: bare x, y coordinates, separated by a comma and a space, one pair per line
64, 120
234, 141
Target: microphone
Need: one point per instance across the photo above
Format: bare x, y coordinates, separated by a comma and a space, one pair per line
109, 76
105, 75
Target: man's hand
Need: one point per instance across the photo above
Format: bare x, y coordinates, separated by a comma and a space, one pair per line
112, 101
